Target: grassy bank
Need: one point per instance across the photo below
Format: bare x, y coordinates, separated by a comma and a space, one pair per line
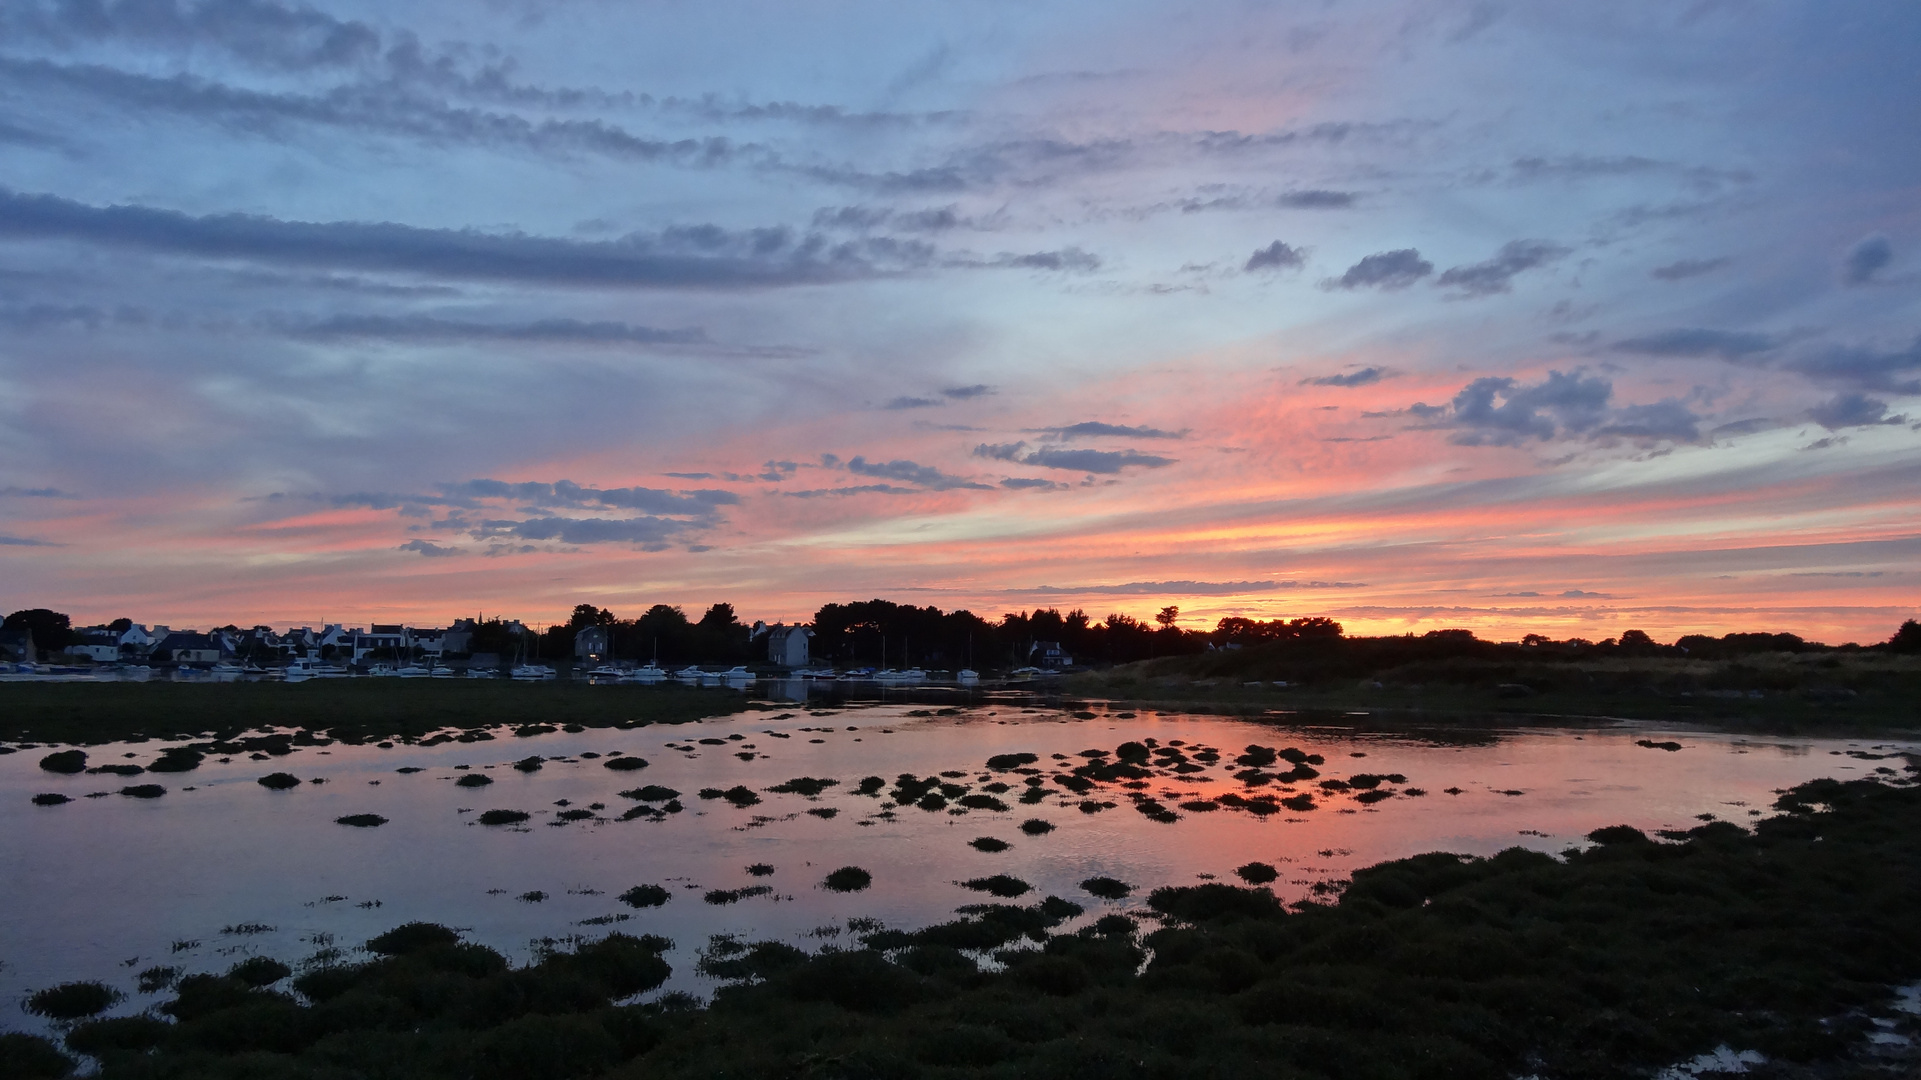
85, 713
1829, 691
1613, 961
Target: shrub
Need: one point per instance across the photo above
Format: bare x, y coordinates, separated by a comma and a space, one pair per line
65, 761
73, 1000
1257, 873
848, 879
645, 896
412, 937
259, 971
30, 1057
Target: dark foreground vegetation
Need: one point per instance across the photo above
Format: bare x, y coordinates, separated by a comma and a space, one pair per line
345, 709
1633, 954
1764, 681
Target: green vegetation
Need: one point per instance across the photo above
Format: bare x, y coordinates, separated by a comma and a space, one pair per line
1754, 681
71, 1001
1612, 961
346, 709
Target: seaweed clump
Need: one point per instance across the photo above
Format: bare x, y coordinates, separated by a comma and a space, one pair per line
51, 798
645, 896
474, 780
279, 781
848, 879
503, 817
72, 1000
361, 821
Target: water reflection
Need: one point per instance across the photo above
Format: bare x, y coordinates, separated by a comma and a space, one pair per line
221, 867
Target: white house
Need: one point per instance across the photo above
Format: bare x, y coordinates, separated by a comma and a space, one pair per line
787, 645
100, 646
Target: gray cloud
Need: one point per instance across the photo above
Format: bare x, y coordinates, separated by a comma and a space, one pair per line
702, 256
1275, 256
427, 328
699, 502
651, 533
947, 396
1095, 428
1316, 200
1687, 268
430, 549
1499, 411
1889, 372
1363, 377
859, 489
1496, 274
1690, 341
1069, 259
1383, 270
35, 493
1101, 462
25, 541
926, 476
1866, 259
1031, 483
386, 107
265, 34
1852, 410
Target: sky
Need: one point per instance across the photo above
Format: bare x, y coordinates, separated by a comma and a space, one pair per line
1556, 317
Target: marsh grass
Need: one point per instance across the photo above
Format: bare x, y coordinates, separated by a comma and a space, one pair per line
73, 1000
1004, 885
353, 709
361, 821
503, 817
279, 781
988, 844
143, 791
645, 896
474, 780
51, 798
65, 761
847, 879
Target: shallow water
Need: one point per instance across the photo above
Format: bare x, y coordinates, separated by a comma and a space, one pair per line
198, 879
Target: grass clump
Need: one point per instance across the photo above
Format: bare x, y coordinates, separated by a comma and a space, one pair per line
645, 896
30, 1057
1107, 888
66, 762
734, 896
278, 781
72, 1000
848, 879
143, 791
625, 763
1037, 827
51, 798
1256, 873
503, 817
259, 971
361, 821
1003, 885
650, 793
474, 780
760, 869
803, 785
988, 844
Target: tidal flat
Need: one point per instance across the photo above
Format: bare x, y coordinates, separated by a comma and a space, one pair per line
843, 848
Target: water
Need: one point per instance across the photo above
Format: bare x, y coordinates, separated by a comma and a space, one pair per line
199, 879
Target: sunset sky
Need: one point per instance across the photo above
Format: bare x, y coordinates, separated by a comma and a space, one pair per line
1523, 317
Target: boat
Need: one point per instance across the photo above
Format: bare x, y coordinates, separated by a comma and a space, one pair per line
482, 673
690, 673
648, 674
906, 675
532, 673
737, 673
968, 675
606, 673
382, 671
415, 671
